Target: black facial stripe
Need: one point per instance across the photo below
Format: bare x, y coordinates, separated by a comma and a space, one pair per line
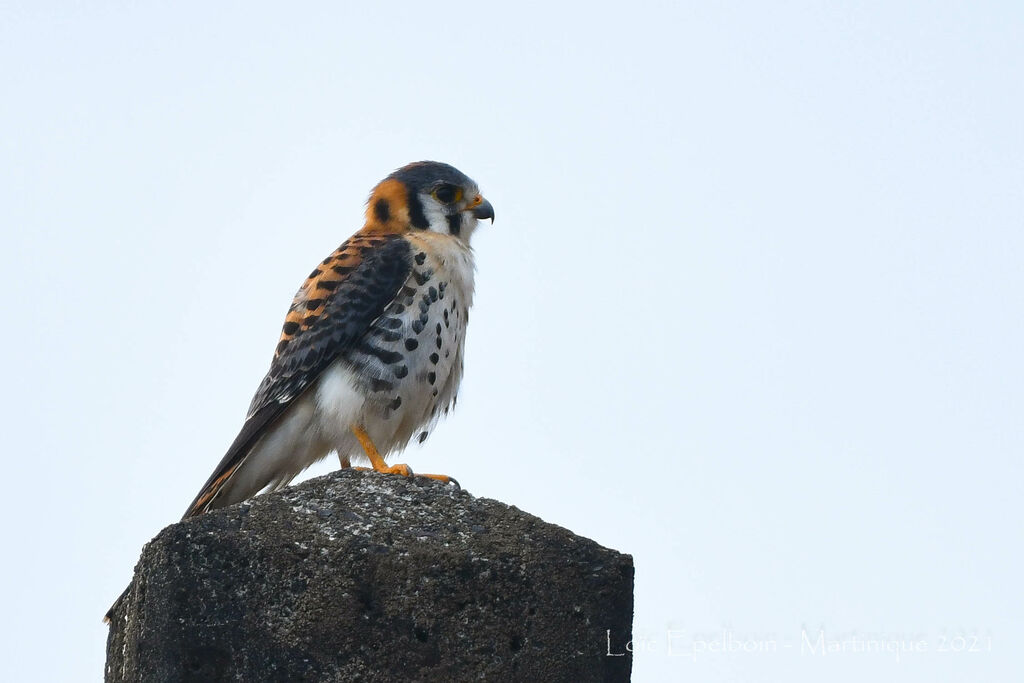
455, 224
382, 210
416, 216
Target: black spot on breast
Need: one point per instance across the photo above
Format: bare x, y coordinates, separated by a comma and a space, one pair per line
387, 335
314, 303
316, 273
328, 285
434, 394
417, 326
438, 328
401, 371
342, 270
411, 344
422, 437
391, 323
439, 342
382, 210
396, 404
431, 377
420, 258
290, 328
434, 358
384, 355
433, 294
380, 384
421, 278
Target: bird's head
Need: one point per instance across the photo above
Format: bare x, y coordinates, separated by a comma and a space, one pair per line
427, 195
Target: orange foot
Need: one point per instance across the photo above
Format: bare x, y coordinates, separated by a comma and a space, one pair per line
380, 466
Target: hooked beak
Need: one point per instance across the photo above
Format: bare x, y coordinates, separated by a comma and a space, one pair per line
482, 208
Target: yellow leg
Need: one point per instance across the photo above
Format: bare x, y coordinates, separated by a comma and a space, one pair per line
375, 458
380, 466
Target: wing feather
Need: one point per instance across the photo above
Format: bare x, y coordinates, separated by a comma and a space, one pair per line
331, 313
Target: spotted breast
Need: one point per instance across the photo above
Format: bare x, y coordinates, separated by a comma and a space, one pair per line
371, 351
370, 354
409, 364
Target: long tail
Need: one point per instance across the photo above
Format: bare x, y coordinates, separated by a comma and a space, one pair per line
109, 616
210, 495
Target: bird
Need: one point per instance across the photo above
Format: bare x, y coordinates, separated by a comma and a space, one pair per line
371, 350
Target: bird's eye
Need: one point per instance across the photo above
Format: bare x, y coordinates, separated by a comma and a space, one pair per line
447, 194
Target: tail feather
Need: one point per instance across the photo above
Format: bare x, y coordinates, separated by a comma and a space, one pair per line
252, 431
109, 616
206, 497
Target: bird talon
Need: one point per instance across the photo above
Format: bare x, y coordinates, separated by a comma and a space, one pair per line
379, 466
401, 468
443, 478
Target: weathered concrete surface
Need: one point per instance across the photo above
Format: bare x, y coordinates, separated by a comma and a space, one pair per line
360, 576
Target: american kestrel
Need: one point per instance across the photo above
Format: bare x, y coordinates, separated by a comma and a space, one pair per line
371, 350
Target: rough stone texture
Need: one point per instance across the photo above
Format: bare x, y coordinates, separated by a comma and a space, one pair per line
360, 576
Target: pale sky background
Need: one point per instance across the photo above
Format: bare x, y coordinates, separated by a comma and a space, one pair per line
751, 309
